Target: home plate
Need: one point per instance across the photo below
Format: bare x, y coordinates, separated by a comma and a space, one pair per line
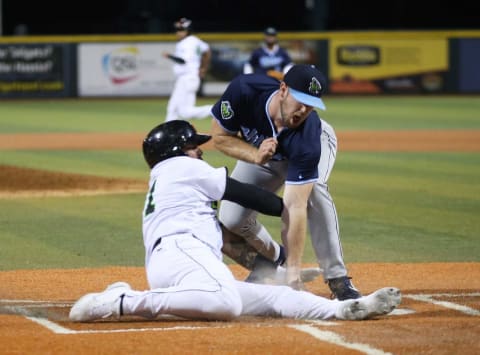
401, 311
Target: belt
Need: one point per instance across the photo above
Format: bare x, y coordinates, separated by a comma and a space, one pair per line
157, 243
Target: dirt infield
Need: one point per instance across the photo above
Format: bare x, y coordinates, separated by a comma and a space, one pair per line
18, 182
23, 182
439, 314
407, 141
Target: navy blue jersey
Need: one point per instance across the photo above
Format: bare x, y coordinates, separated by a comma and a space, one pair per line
263, 60
243, 108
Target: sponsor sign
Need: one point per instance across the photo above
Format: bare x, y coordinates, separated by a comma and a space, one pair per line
388, 66
35, 70
124, 69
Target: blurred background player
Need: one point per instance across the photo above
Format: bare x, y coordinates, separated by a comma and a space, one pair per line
191, 60
270, 58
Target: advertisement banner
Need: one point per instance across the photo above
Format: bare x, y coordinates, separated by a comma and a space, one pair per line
36, 70
124, 69
139, 69
388, 66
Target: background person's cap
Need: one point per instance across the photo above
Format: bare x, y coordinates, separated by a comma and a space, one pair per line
184, 24
270, 31
306, 84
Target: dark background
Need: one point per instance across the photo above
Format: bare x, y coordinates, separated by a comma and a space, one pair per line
156, 16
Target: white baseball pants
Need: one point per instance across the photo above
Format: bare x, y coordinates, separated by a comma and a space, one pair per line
188, 279
181, 104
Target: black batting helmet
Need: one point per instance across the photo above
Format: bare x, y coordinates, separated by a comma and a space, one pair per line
168, 140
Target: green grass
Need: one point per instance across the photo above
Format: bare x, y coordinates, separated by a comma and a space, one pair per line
400, 113
71, 232
83, 115
409, 207
121, 163
128, 115
398, 207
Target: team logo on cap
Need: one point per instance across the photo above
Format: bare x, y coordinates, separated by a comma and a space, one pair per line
226, 110
315, 87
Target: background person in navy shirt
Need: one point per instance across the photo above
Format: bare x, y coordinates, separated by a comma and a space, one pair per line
270, 58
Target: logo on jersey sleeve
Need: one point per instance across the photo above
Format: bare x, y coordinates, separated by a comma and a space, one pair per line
315, 87
226, 110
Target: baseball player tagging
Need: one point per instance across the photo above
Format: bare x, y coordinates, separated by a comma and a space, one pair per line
284, 143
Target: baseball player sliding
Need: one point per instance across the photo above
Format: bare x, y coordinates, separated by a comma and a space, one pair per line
191, 60
183, 241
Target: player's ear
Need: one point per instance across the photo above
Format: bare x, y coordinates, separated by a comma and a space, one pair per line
283, 90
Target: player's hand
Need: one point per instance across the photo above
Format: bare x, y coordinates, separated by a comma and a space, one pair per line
293, 278
266, 151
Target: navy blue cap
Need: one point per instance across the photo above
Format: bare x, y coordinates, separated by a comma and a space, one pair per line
306, 84
270, 31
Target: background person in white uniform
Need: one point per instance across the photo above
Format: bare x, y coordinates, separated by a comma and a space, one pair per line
191, 60
183, 241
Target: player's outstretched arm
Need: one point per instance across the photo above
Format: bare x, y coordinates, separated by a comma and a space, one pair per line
253, 197
177, 60
295, 227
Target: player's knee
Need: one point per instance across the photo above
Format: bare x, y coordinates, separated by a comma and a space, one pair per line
231, 308
242, 227
227, 305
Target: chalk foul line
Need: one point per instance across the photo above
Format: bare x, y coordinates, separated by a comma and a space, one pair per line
336, 339
430, 298
26, 307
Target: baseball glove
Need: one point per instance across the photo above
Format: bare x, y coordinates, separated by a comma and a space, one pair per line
275, 74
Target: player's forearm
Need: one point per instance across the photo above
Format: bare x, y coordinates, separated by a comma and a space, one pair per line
235, 147
293, 237
294, 217
253, 197
177, 60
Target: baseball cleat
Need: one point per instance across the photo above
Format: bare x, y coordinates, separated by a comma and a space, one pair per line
343, 289
100, 305
382, 301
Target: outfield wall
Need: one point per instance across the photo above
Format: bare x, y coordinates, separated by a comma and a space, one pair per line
428, 62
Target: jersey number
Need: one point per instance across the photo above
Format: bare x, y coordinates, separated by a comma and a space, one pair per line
150, 205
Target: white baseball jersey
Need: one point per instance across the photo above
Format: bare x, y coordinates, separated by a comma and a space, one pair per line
185, 272
189, 49
180, 202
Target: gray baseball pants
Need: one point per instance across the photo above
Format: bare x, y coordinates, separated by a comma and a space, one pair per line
322, 214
